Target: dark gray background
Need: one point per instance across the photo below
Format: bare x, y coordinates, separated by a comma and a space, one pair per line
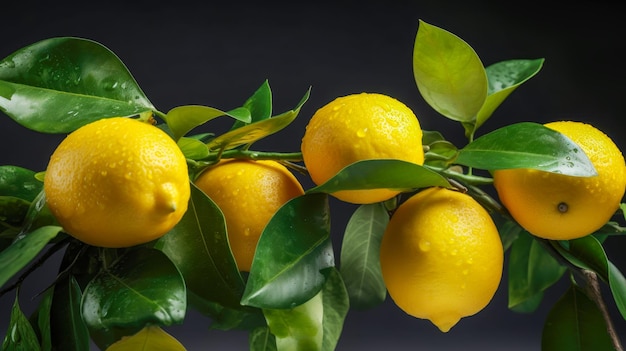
217, 55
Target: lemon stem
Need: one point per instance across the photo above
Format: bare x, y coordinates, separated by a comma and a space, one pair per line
593, 291
258, 155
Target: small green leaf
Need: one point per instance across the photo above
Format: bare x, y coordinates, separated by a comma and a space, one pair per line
336, 306
259, 105
504, 77
261, 339
59, 84
41, 320
360, 264
250, 133
23, 250
19, 182
142, 287
151, 338
300, 327
20, 334
575, 323
531, 270
198, 245
291, 254
449, 73
381, 173
182, 119
526, 145
193, 148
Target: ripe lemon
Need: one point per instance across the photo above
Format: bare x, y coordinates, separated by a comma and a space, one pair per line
359, 127
117, 182
441, 257
248, 193
559, 207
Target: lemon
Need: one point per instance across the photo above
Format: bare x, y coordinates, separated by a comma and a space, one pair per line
117, 182
359, 127
560, 207
441, 257
248, 193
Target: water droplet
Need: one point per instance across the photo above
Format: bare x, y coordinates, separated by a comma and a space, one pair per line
361, 133
424, 245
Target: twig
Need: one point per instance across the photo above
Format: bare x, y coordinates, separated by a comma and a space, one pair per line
593, 291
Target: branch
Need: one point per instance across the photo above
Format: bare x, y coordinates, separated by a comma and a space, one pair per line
593, 291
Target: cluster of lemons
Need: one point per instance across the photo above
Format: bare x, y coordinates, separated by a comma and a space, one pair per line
120, 182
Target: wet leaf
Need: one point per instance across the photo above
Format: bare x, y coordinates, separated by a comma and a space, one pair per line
59, 84
526, 145
291, 254
20, 334
449, 73
360, 264
151, 338
198, 245
19, 182
575, 323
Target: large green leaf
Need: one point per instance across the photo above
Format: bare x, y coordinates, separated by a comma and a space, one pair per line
575, 324
291, 254
504, 77
250, 133
449, 74
360, 264
336, 306
198, 245
531, 270
182, 119
381, 173
526, 145
68, 331
20, 335
59, 84
150, 338
23, 250
19, 182
142, 287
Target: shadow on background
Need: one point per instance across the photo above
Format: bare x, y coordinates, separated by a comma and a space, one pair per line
217, 55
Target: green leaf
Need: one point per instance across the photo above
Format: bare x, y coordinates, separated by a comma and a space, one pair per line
291, 254
381, 173
198, 245
360, 264
250, 133
300, 327
19, 182
183, 119
504, 77
23, 250
261, 339
336, 306
259, 105
41, 320
151, 338
449, 74
67, 328
193, 148
575, 324
142, 287
526, 145
531, 270
59, 84
20, 334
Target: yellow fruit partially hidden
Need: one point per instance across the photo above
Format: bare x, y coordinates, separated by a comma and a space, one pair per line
117, 182
560, 207
249, 193
360, 127
441, 257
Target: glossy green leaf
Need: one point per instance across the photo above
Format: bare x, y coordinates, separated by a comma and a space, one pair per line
259, 105
150, 338
250, 133
360, 264
531, 270
381, 173
23, 250
300, 327
226, 318
183, 119
261, 339
504, 77
526, 145
67, 329
13, 211
142, 287
20, 335
193, 148
448, 72
291, 254
198, 245
19, 182
587, 253
59, 84
336, 304
575, 324
41, 320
